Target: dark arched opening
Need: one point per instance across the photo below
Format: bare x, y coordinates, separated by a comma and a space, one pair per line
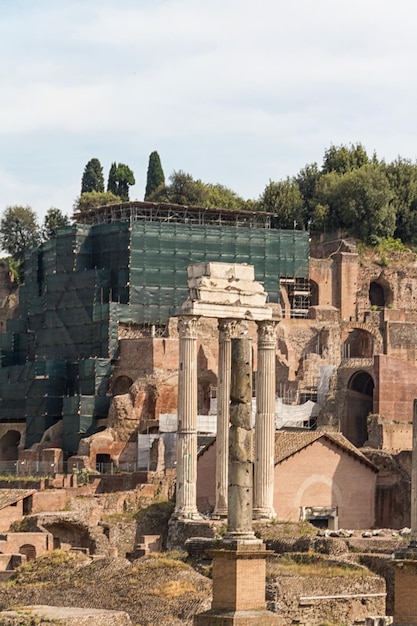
121, 385
9, 446
314, 293
376, 295
358, 345
358, 405
104, 463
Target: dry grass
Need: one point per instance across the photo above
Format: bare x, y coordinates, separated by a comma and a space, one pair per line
313, 565
173, 589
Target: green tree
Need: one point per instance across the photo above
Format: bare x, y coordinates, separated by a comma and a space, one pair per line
155, 176
53, 220
183, 189
343, 159
94, 199
359, 202
19, 232
93, 179
402, 177
112, 185
125, 178
120, 179
307, 180
284, 198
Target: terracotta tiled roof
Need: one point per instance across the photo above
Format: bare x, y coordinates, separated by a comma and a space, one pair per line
10, 496
288, 443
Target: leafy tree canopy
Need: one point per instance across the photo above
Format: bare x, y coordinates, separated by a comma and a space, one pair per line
359, 202
343, 159
184, 189
53, 220
284, 198
19, 232
155, 177
93, 199
93, 179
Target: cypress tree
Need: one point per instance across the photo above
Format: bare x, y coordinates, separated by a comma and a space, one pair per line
155, 176
92, 179
112, 185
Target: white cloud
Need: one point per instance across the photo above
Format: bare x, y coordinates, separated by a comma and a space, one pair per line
230, 89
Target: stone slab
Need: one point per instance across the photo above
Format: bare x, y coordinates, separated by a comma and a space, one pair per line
223, 311
238, 618
226, 271
63, 615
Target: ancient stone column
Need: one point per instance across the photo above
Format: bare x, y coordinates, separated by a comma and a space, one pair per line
226, 329
239, 518
186, 494
263, 505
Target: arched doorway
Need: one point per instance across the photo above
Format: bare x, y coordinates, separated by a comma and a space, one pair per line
359, 344
358, 405
28, 550
121, 385
380, 293
9, 445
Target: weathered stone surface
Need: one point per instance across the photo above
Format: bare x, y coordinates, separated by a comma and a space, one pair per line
68, 616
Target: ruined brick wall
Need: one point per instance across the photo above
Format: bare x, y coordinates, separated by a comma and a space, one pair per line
10, 514
293, 598
393, 488
395, 389
401, 340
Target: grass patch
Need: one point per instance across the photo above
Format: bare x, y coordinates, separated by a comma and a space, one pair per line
173, 589
313, 565
173, 560
38, 571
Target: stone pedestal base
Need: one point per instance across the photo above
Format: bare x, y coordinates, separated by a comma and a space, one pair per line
405, 603
238, 587
237, 618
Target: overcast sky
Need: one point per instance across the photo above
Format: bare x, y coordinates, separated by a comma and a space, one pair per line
231, 91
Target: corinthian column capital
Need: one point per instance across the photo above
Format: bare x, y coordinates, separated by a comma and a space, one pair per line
187, 327
266, 334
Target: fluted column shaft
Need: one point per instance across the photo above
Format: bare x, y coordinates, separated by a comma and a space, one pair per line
263, 506
226, 330
186, 494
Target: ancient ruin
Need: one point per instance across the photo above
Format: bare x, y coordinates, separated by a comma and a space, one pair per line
89, 359
239, 562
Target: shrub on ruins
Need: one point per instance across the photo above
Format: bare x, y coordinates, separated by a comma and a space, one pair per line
93, 179
19, 232
184, 189
94, 199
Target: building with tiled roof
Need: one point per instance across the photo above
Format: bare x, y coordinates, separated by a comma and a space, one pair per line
319, 476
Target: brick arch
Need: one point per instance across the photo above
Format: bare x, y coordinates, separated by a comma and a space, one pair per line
121, 385
358, 405
377, 342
